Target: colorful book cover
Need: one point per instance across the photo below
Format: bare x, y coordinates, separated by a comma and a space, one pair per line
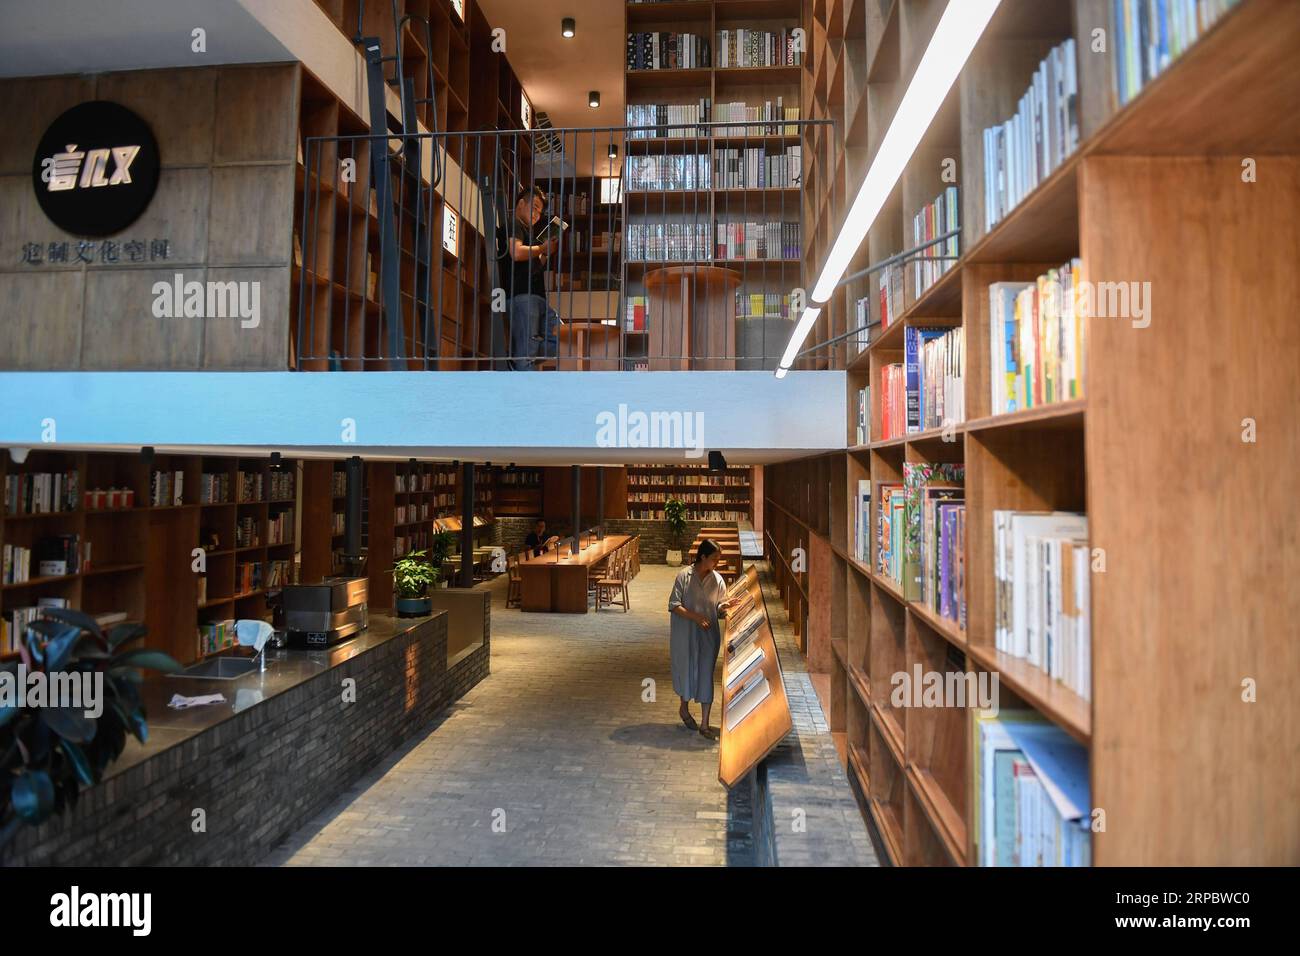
917, 476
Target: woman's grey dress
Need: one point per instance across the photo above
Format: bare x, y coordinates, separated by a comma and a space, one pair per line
695, 650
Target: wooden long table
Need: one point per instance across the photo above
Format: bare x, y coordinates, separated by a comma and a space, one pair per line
557, 581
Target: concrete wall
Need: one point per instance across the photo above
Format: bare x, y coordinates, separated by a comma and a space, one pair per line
227, 138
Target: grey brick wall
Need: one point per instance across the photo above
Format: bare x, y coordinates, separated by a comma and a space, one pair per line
654, 533
264, 772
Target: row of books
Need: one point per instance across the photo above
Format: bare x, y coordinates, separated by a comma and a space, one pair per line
758, 167
1023, 151
668, 120
404, 544
52, 556
1032, 792
665, 50
927, 389
337, 523
248, 577
697, 513
943, 555
690, 498
246, 532
907, 553
741, 48
663, 173
279, 528
754, 241
577, 204
703, 478
527, 477
762, 305
31, 493
634, 317
215, 636
1151, 34
166, 488
404, 514
214, 488
338, 483
669, 242
769, 118
1037, 340
933, 220
281, 485
1041, 567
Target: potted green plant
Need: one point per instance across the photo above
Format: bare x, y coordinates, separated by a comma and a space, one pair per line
675, 515
440, 549
50, 754
412, 578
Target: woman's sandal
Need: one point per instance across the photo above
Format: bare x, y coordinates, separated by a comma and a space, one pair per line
688, 720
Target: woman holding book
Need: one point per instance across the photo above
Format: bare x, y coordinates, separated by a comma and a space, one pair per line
697, 599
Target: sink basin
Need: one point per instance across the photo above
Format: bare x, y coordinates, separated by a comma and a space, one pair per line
220, 668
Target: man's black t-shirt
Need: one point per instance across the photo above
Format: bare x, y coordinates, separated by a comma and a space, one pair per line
534, 543
528, 277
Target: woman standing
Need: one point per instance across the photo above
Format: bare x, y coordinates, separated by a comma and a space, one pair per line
694, 605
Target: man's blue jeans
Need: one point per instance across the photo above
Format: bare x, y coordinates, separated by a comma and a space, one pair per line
529, 315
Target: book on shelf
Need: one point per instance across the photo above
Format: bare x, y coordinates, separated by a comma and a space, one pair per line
248, 577
166, 488
203, 589
214, 488
864, 415
669, 242
17, 564
758, 241
669, 173
1023, 151
668, 120
249, 484
748, 47
215, 636
1032, 792
762, 305
893, 401
1041, 568
664, 50
862, 522
925, 487
889, 532
281, 483
1037, 340
862, 316
889, 288
758, 167
1150, 34
769, 118
932, 221
42, 492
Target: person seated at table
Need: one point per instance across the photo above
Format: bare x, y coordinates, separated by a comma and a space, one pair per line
537, 542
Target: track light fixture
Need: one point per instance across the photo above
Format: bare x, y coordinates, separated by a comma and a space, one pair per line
568, 28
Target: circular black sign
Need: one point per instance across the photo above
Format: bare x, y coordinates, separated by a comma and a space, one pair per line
96, 169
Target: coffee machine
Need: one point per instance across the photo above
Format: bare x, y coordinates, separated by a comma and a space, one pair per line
323, 614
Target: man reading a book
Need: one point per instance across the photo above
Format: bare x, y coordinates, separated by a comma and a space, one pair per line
533, 324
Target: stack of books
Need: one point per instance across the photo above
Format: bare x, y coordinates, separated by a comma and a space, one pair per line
166, 488
932, 221
668, 120
214, 488
928, 389
668, 242
771, 118
745, 241
666, 173
762, 305
758, 167
250, 485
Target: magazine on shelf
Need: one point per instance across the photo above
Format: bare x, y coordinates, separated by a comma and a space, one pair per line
746, 702
740, 665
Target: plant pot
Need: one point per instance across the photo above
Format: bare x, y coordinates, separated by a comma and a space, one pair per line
414, 607
674, 558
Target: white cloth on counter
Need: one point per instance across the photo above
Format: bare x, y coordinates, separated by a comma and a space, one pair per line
181, 702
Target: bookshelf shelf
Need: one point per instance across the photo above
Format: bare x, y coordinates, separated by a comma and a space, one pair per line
1053, 699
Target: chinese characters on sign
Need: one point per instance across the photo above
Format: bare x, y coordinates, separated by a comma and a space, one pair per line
108, 252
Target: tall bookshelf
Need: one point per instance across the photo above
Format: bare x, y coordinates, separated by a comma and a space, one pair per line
519, 492
1184, 771
725, 495
339, 284
650, 203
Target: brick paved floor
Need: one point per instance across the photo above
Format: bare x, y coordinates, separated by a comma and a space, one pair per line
553, 759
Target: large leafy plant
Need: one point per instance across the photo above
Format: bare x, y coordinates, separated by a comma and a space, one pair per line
441, 547
49, 754
413, 575
675, 515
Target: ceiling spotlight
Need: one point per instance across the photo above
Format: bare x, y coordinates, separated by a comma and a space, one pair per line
717, 462
568, 28
275, 459
593, 99
613, 151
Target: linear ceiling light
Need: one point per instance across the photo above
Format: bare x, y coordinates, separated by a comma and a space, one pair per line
806, 322
959, 29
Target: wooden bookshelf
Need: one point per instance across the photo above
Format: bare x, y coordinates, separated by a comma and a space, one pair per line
758, 308
649, 486
142, 556
519, 492
475, 89
1185, 771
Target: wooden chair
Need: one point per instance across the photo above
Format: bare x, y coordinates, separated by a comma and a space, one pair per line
515, 588
611, 589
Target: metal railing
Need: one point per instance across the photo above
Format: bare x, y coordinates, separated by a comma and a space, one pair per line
676, 247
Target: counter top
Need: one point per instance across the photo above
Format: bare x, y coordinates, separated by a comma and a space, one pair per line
285, 669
